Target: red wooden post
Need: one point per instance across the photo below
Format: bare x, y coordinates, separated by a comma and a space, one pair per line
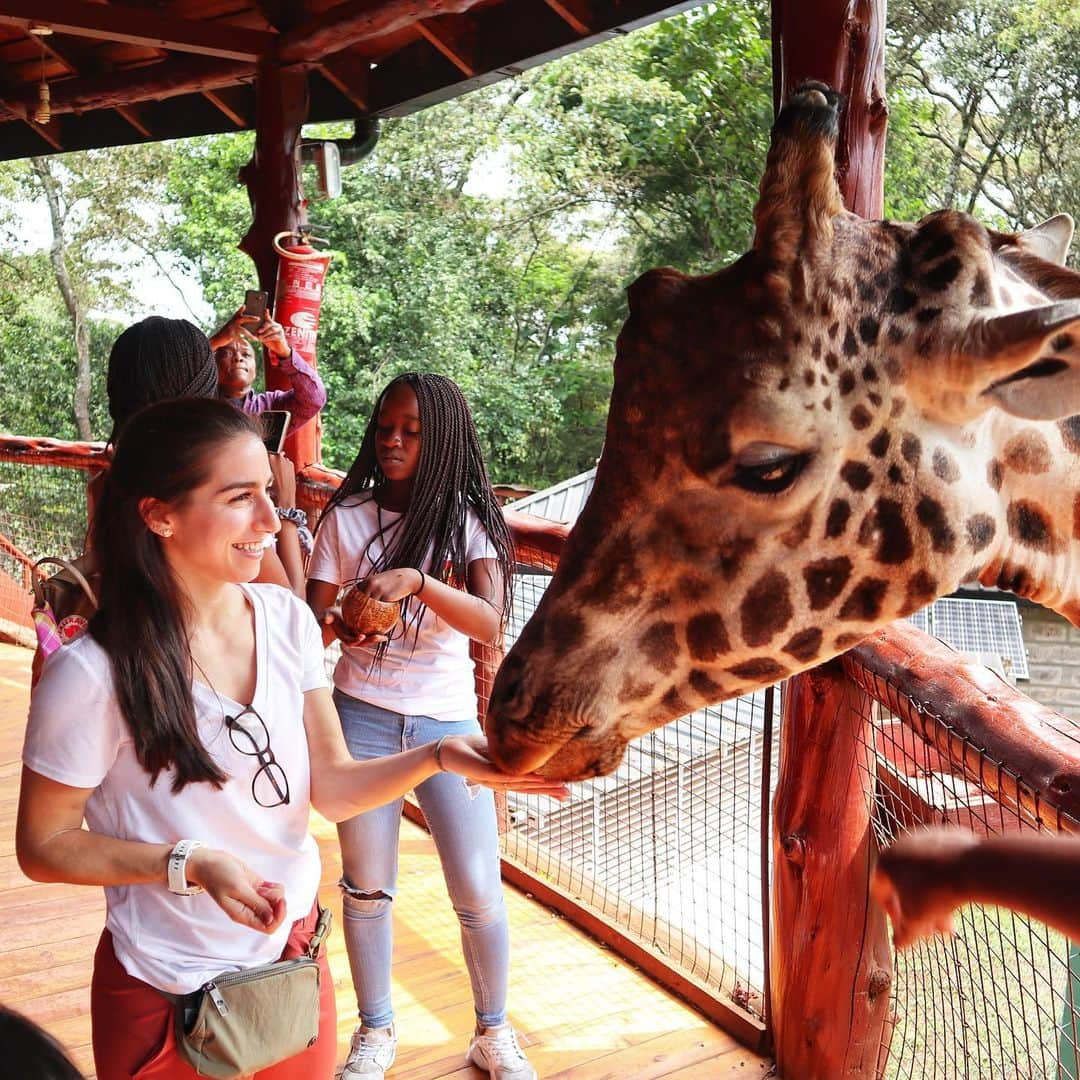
830, 960
272, 177
831, 964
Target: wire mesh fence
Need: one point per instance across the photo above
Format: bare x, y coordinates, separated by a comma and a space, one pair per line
999, 999
669, 848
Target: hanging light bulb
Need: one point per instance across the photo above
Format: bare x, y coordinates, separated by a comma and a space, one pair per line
43, 109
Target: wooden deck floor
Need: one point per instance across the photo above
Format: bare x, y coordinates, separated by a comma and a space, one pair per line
581, 1012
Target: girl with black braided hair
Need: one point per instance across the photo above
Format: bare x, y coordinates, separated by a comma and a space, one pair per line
415, 520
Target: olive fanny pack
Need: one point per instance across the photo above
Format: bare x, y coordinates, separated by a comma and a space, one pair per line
244, 1021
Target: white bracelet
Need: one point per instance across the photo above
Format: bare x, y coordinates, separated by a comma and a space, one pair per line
178, 857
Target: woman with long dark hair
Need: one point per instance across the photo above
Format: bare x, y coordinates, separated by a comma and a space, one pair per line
415, 521
192, 729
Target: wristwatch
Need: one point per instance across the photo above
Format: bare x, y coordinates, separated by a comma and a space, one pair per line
178, 857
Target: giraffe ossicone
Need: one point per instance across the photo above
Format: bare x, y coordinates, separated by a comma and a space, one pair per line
846, 423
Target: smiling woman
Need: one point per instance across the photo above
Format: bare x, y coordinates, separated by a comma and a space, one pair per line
205, 735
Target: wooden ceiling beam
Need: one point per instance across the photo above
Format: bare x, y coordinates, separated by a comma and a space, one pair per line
155, 81
140, 26
228, 100
455, 37
359, 20
135, 115
351, 76
575, 13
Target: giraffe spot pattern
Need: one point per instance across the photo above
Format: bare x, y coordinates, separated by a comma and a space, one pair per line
660, 647
1030, 526
861, 418
980, 291
980, 531
1027, 453
760, 668
927, 314
704, 685
879, 444
729, 558
798, 532
693, 586
869, 373
673, 702
896, 475
869, 329
886, 524
856, 475
846, 641
932, 517
565, 629
921, 589
766, 609
832, 361
995, 474
706, 636
805, 645
945, 273
864, 602
850, 346
634, 691
617, 584
846, 383
911, 448
825, 580
900, 301
1070, 433
836, 522
945, 468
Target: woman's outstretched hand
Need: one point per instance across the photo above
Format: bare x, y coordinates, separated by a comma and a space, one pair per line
919, 882
237, 889
467, 755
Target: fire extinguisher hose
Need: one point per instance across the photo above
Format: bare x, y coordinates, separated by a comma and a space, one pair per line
289, 253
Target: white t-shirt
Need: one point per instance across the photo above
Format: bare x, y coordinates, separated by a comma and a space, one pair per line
436, 677
77, 736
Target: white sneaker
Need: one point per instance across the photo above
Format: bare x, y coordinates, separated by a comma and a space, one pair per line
371, 1053
496, 1050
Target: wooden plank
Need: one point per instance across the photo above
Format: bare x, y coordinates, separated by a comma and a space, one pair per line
455, 37
140, 26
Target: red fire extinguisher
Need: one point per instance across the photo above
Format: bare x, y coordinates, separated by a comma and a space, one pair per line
298, 301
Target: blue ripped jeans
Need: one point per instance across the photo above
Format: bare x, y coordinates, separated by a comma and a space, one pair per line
462, 823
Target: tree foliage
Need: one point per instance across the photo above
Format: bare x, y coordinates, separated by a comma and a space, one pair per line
491, 238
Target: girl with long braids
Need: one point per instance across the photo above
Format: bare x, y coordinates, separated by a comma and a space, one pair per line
415, 521
192, 730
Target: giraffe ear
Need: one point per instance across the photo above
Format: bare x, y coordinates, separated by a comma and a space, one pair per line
1050, 239
1028, 362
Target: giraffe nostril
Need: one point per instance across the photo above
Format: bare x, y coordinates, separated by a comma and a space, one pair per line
509, 698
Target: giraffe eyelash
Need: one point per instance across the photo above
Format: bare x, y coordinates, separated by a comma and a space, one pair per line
771, 477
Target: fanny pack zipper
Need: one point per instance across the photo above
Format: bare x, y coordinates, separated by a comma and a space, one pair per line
235, 978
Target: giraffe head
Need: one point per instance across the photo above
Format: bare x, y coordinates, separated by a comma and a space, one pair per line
825, 436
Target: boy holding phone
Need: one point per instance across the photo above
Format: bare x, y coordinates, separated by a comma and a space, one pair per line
238, 368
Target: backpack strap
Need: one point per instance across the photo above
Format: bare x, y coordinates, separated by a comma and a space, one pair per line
80, 579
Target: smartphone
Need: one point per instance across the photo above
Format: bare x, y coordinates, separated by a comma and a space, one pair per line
255, 303
275, 424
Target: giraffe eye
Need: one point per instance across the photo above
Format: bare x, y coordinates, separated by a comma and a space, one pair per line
772, 476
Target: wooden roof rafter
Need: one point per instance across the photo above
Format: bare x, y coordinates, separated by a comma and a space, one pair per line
135, 71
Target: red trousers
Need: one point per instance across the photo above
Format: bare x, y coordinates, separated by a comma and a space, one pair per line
133, 1023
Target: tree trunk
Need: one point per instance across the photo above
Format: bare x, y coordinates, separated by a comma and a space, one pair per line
80, 405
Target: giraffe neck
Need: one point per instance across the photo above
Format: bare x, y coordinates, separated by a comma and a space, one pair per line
1036, 470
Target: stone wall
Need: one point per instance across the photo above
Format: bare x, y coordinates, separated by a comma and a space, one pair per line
1053, 647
